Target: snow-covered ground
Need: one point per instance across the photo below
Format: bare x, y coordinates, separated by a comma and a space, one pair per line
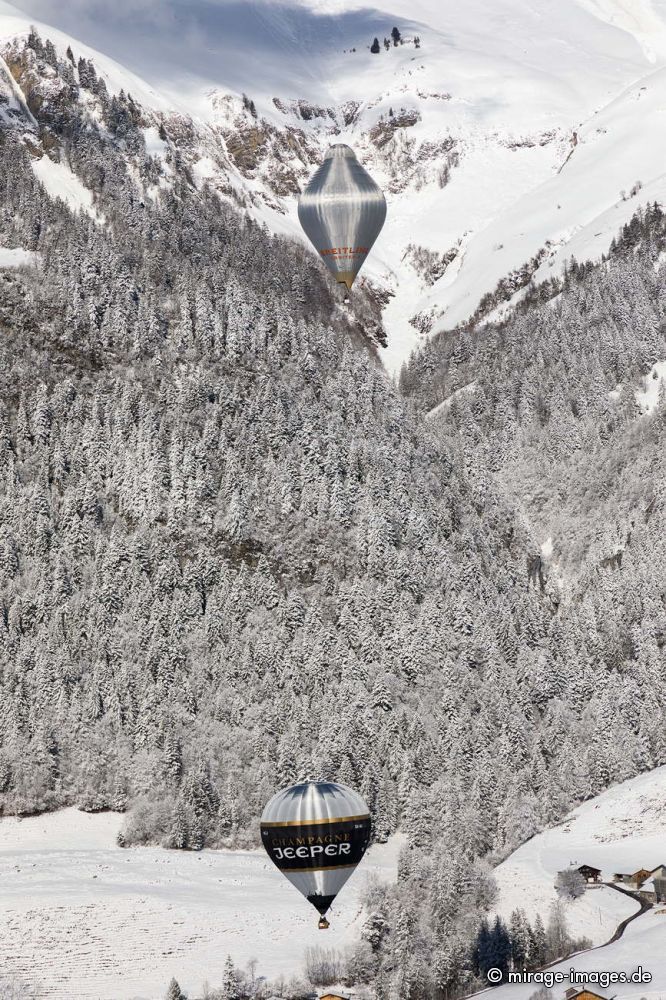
642, 945
61, 182
442, 407
621, 830
15, 257
85, 919
648, 397
554, 109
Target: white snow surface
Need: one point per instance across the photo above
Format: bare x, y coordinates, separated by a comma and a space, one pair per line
509, 81
15, 257
621, 830
648, 397
61, 182
641, 945
547, 548
87, 920
444, 406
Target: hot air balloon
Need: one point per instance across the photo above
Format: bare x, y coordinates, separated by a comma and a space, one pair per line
342, 211
316, 833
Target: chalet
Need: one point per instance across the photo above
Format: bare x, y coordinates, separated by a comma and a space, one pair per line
621, 877
640, 876
659, 878
332, 996
573, 994
647, 891
589, 873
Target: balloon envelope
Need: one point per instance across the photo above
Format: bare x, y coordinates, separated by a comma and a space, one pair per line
316, 833
342, 211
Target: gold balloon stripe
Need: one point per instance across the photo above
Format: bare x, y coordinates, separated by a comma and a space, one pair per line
306, 871
316, 822
345, 278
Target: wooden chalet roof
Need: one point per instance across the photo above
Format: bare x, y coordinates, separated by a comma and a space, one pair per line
584, 995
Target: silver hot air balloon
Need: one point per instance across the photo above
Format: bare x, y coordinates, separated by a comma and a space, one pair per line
342, 211
316, 833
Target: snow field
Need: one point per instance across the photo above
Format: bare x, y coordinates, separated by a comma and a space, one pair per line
16, 257
61, 182
648, 397
621, 830
91, 921
641, 945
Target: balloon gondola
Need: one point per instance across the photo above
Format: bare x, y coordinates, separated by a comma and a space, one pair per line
315, 833
342, 211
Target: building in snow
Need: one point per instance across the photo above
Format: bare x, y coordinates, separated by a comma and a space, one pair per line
647, 891
333, 996
589, 873
659, 878
573, 994
640, 876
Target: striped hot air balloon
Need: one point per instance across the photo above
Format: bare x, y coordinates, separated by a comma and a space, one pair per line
342, 211
316, 833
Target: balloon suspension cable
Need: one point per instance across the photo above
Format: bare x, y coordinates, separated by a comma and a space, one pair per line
323, 924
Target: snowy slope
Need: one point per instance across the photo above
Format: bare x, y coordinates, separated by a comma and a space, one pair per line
61, 182
88, 920
641, 945
621, 830
545, 112
16, 257
648, 397
14, 22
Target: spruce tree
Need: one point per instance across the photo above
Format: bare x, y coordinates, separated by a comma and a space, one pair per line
174, 991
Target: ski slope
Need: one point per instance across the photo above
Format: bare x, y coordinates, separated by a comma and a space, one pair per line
554, 112
86, 920
621, 830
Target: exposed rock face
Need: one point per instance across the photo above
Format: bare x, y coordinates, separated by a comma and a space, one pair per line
48, 95
280, 158
384, 130
429, 264
304, 109
247, 147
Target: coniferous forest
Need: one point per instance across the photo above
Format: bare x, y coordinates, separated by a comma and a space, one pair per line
233, 554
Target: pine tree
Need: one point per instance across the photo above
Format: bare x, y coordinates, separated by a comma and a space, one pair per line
539, 948
229, 988
174, 991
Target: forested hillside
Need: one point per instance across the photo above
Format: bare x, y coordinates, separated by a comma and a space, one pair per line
567, 402
234, 555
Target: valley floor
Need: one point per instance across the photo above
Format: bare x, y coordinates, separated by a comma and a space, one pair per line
81, 918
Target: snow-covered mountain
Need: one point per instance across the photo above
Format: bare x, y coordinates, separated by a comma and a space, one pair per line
516, 134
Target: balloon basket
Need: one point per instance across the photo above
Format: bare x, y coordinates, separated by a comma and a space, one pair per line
323, 924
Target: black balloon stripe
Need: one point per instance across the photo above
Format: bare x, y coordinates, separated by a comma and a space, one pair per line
317, 847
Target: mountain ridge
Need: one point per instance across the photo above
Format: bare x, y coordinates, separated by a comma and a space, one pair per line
486, 183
